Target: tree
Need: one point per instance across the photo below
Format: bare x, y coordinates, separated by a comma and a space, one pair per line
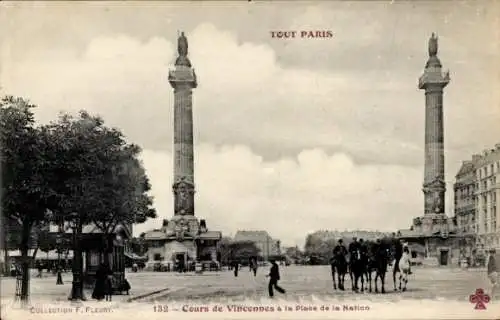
237, 250
243, 250
138, 245
294, 254
319, 250
26, 193
224, 249
96, 178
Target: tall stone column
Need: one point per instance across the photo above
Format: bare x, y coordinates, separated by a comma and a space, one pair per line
433, 82
183, 79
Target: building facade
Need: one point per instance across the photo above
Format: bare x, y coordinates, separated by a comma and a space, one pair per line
487, 194
464, 190
263, 241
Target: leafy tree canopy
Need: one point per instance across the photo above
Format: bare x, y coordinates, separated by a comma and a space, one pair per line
96, 173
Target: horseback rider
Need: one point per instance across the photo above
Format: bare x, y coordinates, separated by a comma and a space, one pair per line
339, 263
363, 250
353, 248
355, 262
340, 252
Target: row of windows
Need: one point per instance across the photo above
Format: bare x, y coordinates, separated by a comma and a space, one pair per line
489, 170
493, 213
490, 227
487, 183
489, 197
492, 242
466, 191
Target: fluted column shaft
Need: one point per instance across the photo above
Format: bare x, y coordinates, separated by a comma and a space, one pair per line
183, 80
183, 134
434, 149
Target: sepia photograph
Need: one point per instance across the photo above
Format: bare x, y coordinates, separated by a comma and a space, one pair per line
250, 159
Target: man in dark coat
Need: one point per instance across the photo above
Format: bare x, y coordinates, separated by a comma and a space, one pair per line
101, 286
353, 246
492, 271
340, 252
236, 266
363, 250
274, 277
254, 266
339, 263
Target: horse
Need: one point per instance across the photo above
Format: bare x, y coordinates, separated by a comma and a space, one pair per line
377, 262
339, 266
369, 269
357, 266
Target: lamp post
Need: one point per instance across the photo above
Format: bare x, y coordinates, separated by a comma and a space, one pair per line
77, 285
59, 246
59, 249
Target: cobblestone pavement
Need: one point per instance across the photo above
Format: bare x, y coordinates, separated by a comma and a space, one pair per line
301, 282
45, 288
315, 281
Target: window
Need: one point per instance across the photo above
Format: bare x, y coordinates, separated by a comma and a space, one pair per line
157, 257
156, 244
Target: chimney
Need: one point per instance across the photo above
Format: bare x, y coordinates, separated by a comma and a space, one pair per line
476, 157
497, 146
485, 152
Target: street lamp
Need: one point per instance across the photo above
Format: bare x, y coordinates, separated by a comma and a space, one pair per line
77, 285
59, 249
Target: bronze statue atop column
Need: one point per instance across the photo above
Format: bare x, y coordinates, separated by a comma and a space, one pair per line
182, 50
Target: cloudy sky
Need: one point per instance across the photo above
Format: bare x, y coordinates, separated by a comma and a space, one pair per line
291, 135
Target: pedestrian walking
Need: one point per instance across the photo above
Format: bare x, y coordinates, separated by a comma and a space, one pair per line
236, 267
39, 266
492, 271
274, 277
108, 288
253, 267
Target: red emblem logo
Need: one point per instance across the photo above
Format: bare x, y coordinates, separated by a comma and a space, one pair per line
480, 299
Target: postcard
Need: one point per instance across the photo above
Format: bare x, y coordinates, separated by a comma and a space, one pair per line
250, 160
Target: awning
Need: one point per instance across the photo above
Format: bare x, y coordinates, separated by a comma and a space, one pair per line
40, 255
134, 256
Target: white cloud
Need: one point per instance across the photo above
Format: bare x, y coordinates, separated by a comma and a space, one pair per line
236, 189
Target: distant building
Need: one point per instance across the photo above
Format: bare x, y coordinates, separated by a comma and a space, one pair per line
266, 244
464, 190
360, 234
487, 193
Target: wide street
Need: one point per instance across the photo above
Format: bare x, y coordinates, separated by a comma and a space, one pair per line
301, 282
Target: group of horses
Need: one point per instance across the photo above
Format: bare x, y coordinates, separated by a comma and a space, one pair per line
361, 265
